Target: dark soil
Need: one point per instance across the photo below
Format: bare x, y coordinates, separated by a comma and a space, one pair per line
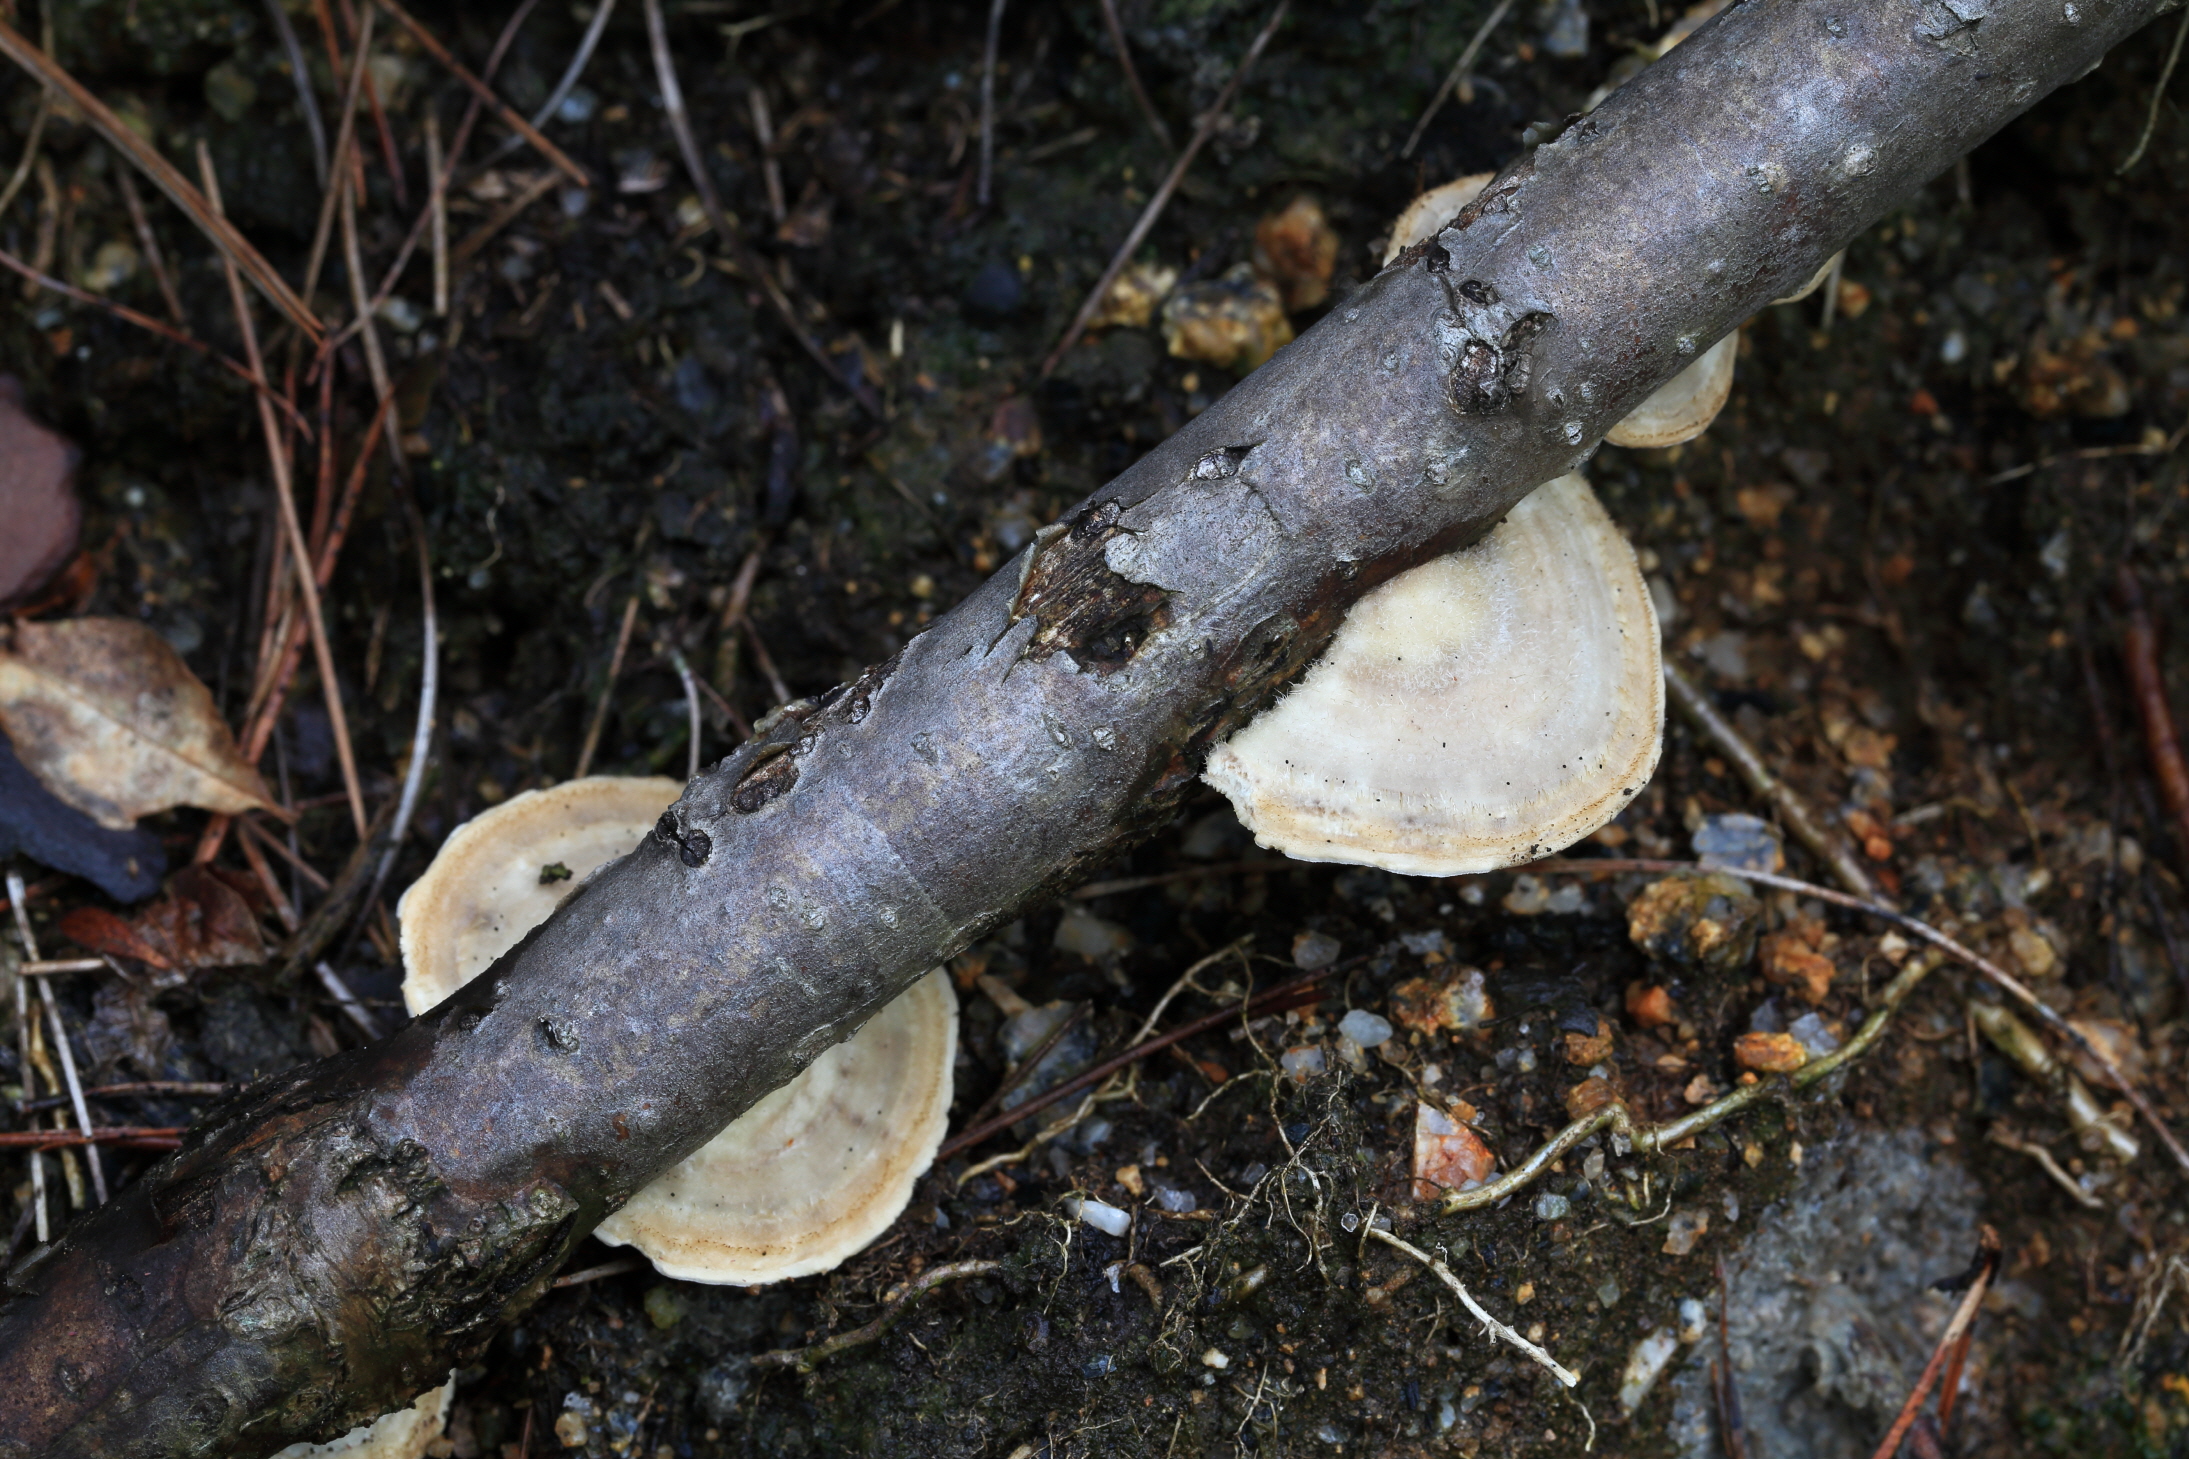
1890, 561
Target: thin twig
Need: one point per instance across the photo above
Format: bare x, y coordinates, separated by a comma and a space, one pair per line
570, 75
347, 1001
251, 830
765, 660
1781, 797
607, 690
50, 966
478, 238
1998, 976
1111, 888
1132, 76
1444, 1274
2158, 95
345, 139
606, 1269
2050, 1166
1026, 1066
233, 246
421, 735
1652, 1138
1210, 120
138, 1089
1236, 947
680, 123
487, 94
285, 500
437, 210
293, 51
376, 360
1987, 1262
60, 1037
2166, 447
24, 1033
30, 151
1287, 994
763, 131
146, 322
149, 242
143, 1137
691, 711
806, 1359
988, 102
2147, 683
1453, 77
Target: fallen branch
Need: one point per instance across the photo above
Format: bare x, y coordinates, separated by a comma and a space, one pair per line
331, 1242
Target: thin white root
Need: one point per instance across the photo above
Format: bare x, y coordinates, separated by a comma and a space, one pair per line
1443, 1274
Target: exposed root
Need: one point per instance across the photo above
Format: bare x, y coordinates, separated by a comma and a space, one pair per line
806, 1359
1443, 1274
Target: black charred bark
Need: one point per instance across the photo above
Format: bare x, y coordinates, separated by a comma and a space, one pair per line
333, 1241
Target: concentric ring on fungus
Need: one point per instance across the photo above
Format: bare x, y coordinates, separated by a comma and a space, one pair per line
1480, 711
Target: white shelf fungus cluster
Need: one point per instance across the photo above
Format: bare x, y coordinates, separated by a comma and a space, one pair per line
800, 1181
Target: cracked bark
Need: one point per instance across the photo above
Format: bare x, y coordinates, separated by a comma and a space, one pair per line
331, 1242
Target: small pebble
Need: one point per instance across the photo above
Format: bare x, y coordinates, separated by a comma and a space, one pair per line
1644, 1366
1177, 1202
1314, 950
1694, 1320
1550, 1206
1101, 1215
1215, 1358
1365, 1028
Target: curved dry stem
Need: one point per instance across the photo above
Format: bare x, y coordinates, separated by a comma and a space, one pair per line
1654, 1138
806, 1359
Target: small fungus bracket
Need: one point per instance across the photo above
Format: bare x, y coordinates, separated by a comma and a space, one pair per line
1081, 607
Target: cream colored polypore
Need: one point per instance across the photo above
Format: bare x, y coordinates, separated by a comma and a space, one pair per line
1427, 215
1482, 710
1683, 407
803, 1179
406, 1433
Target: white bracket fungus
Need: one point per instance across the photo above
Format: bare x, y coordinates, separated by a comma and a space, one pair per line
803, 1179
1485, 709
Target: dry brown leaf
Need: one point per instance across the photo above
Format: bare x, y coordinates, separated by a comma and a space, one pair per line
206, 920
108, 717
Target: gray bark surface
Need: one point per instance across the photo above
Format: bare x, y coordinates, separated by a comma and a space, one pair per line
331, 1242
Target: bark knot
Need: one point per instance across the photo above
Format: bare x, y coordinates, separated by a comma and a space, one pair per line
1081, 607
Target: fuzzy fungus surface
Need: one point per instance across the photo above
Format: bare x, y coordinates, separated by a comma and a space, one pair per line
1482, 710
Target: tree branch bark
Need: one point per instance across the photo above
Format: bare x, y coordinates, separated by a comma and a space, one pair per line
330, 1242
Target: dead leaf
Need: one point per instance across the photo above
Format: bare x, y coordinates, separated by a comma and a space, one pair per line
108, 717
207, 919
37, 500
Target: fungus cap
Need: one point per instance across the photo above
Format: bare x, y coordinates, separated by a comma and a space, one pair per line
1683, 407
407, 1433
1427, 215
1482, 710
803, 1179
